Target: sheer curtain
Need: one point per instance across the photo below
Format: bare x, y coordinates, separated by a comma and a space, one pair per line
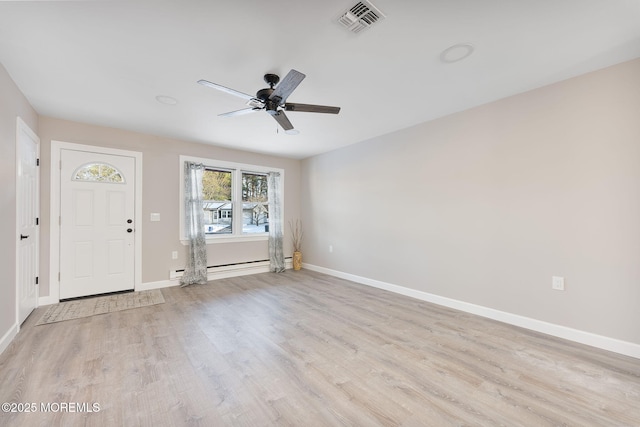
196, 269
276, 252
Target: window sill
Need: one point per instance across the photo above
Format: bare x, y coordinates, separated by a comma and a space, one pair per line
254, 237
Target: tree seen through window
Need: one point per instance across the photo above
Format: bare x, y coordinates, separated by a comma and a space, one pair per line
219, 201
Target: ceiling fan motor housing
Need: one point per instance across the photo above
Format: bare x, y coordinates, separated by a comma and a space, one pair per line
270, 105
264, 94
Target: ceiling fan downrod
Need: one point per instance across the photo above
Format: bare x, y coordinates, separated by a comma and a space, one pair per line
271, 79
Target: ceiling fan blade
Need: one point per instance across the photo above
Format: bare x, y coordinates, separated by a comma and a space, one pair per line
286, 86
282, 120
239, 112
226, 89
310, 108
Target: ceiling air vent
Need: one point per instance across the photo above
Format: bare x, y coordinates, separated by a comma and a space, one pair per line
360, 16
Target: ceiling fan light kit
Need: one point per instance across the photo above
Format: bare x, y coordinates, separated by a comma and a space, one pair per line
273, 99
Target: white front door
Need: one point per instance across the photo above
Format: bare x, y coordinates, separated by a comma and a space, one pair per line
97, 212
27, 220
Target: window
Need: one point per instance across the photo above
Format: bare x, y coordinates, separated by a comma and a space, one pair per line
235, 200
98, 172
255, 203
218, 207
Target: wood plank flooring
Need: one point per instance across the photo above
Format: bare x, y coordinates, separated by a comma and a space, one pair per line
306, 349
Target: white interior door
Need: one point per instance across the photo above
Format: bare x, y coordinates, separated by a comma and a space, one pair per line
97, 211
27, 220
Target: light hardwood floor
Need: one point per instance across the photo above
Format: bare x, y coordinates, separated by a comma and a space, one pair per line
305, 349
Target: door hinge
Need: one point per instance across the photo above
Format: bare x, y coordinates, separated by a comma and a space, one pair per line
37, 162
37, 221
37, 280
58, 276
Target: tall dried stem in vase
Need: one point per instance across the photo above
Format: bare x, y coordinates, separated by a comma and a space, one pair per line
296, 239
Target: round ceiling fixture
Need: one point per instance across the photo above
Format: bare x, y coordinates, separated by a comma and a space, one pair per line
457, 52
167, 100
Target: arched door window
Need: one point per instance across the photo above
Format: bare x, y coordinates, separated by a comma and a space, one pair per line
98, 172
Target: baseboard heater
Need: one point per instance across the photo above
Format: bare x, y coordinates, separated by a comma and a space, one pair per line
235, 269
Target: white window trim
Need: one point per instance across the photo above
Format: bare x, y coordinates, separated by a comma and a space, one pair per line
237, 190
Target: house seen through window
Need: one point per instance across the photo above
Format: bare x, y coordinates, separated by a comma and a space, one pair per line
235, 200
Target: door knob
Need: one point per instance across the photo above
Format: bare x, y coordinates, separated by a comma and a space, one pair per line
129, 221
22, 236
129, 230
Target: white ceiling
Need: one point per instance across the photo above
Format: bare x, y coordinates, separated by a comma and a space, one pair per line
104, 62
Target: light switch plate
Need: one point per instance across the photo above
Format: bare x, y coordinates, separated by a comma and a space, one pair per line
155, 217
557, 283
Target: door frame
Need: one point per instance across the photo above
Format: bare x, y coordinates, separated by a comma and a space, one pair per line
22, 126
54, 244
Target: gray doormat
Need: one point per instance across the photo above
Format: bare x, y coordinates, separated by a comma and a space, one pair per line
77, 309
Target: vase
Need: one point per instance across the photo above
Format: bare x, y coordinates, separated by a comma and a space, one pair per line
297, 260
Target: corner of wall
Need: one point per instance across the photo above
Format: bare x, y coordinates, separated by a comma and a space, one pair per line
8, 337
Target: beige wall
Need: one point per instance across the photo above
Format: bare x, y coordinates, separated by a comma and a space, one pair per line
13, 104
486, 205
160, 193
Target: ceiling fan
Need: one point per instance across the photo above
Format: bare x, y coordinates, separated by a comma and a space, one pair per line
274, 99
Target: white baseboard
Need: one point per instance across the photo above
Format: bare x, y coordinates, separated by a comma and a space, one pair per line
48, 300
156, 285
214, 273
606, 343
8, 337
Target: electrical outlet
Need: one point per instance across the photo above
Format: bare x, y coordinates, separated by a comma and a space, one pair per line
557, 283
174, 255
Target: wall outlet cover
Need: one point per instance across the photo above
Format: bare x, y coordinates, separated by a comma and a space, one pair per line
557, 283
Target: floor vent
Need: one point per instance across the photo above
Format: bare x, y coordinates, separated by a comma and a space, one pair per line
360, 16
